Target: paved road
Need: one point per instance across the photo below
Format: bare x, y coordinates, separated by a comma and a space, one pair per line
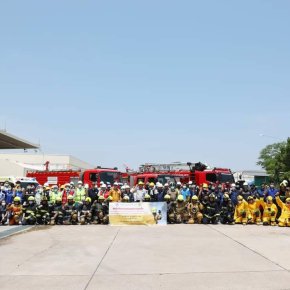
169, 257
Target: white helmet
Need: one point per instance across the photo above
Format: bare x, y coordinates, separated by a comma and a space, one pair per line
103, 186
246, 183
190, 182
80, 182
178, 183
166, 185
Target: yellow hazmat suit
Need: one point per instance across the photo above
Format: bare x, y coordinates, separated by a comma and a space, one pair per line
270, 211
241, 211
284, 219
254, 214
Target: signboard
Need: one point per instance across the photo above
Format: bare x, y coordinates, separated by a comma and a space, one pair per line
52, 179
138, 213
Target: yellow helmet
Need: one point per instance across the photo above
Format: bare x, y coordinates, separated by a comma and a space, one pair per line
109, 198
194, 198
140, 183
62, 186
16, 198
58, 199
205, 185
226, 196
147, 196
166, 196
250, 198
288, 199
151, 184
126, 198
240, 198
101, 197
31, 198
154, 210
269, 198
70, 197
180, 197
88, 199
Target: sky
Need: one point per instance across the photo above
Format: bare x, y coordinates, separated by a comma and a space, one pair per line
129, 82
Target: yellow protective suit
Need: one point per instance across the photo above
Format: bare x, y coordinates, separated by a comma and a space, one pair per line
270, 211
241, 213
284, 219
254, 214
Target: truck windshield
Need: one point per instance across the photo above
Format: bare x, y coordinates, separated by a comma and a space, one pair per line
166, 179
109, 176
224, 177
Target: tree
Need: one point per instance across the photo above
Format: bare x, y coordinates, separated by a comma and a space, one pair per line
275, 160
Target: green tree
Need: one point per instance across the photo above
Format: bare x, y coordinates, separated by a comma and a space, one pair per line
273, 159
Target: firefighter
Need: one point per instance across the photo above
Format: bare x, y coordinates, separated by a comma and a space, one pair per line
128, 193
181, 213
15, 211
194, 209
43, 212
284, 219
103, 191
97, 210
241, 211
185, 192
211, 210
170, 209
3, 212
57, 212
270, 211
254, 214
85, 213
115, 192
204, 193
227, 210
65, 194
70, 212
29, 212
151, 190
173, 192
80, 193
178, 187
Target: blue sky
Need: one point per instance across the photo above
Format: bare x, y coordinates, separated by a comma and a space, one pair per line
115, 82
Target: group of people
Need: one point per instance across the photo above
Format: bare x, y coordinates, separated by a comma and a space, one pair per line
186, 203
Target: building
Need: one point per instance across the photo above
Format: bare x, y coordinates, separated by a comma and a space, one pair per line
19, 164
252, 176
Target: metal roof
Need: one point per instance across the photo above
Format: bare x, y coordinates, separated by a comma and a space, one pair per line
8, 141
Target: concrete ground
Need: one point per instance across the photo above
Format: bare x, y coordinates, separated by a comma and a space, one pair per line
139, 257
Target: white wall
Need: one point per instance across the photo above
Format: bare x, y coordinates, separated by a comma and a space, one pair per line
11, 169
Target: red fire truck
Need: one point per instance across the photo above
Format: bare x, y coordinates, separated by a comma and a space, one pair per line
199, 173
66, 176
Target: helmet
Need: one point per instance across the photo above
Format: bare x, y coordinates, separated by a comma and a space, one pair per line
250, 198
180, 197
88, 199
239, 198
190, 182
166, 196
127, 186
47, 188
151, 184
147, 196
269, 198
44, 198
109, 198
246, 183
101, 197
116, 183
166, 185
62, 186
178, 183
70, 197
58, 199
126, 197
226, 196
160, 185
17, 198
104, 186
31, 198
80, 182
194, 198
140, 183
288, 200
212, 195
205, 185
154, 210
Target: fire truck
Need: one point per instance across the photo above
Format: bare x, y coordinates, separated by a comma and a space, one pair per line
198, 172
88, 176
